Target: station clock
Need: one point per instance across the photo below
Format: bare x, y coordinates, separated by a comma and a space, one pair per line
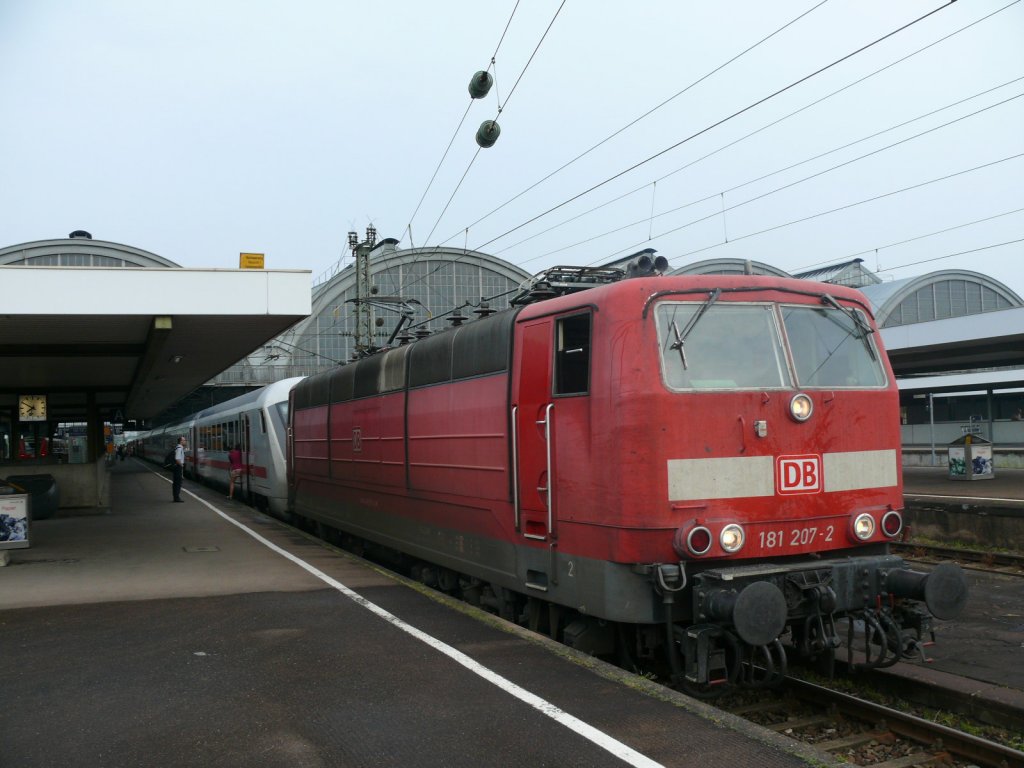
32, 407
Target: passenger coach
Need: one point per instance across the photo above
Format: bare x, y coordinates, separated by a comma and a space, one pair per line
256, 421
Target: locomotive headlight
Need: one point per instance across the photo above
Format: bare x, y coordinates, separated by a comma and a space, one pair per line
731, 538
801, 407
892, 523
864, 526
699, 540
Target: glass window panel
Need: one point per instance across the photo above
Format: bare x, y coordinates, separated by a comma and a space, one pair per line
752, 358
830, 349
926, 303
973, 298
572, 355
943, 302
988, 299
958, 297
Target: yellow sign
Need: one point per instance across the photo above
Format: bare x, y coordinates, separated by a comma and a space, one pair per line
250, 261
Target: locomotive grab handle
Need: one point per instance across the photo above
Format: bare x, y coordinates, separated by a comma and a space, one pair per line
550, 482
515, 464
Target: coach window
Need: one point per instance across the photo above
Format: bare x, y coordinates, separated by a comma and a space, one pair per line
572, 355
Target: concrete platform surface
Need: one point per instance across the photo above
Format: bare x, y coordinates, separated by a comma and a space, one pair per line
933, 484
161, 634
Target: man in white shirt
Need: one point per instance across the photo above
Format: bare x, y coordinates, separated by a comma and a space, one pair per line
179, 468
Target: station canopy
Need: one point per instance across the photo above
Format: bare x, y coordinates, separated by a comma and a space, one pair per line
134, 337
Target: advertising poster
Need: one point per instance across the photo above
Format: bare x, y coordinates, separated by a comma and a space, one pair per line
14, 522
957, 464
981, 459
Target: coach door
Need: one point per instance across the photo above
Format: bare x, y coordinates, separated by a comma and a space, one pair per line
247, 458
533, 431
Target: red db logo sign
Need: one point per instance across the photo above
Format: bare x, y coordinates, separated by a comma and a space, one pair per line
798, 474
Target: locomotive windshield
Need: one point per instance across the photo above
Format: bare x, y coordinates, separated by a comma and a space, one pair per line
831, 347
731, 345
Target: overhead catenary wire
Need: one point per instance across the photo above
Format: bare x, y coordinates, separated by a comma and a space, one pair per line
750, 181
649, 112
501, 107
988, 15
878, 248
307, 351
408, 228
725, 209
952, 255
707, 128
849, 205
783, 118
721, 122
860, 80
476, 154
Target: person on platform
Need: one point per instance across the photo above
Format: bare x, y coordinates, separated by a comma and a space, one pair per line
235, 463
179, 468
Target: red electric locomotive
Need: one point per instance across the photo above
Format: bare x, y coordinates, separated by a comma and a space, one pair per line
689, 468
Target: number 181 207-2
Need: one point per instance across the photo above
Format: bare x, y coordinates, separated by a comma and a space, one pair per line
797, 537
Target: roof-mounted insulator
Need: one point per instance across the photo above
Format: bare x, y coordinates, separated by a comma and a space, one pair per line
480, 85
422, 333
487, 134
542, 290
484, 310
457, 319
645, 266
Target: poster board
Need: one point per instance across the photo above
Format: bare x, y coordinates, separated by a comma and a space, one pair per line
15, 523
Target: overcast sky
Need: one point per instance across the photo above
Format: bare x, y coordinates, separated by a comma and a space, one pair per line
198, 130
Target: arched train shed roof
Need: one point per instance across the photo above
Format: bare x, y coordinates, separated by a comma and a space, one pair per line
729, 266
80, 252
938, 295
433, 281
386, 257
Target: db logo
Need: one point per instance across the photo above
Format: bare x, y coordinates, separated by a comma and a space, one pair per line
798, 474
357, 440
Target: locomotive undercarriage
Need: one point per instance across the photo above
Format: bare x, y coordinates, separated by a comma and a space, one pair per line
741, 615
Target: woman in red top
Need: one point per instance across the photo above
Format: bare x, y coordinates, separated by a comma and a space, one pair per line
235, 461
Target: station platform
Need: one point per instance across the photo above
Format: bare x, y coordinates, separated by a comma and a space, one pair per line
207, 634
1004, 489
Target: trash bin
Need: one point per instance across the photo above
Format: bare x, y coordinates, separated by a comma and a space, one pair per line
43, 490
970, 458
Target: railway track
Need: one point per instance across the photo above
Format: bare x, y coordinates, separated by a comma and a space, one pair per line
997, 562
864, 733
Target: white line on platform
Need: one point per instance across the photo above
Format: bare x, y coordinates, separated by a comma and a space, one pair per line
601, 739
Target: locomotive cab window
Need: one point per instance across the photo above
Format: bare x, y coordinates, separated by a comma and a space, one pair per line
723, 345
832, 347
572, 355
